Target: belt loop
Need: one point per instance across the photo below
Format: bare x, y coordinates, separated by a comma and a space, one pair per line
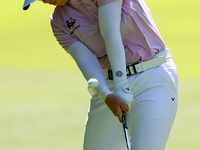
143, 67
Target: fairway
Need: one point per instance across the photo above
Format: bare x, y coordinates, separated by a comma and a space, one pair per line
41, 110
43, 96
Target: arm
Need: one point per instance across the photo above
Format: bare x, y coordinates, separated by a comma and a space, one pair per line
90, 68
109, 23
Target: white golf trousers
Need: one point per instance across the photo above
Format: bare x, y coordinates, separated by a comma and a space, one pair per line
151, 114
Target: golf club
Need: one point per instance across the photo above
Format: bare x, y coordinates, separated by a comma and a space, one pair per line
125, 126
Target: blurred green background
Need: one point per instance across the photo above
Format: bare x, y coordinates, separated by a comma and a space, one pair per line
43, 96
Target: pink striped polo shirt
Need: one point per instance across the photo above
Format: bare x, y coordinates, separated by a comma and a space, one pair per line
79, 22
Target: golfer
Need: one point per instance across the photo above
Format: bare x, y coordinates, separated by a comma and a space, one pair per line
118, 43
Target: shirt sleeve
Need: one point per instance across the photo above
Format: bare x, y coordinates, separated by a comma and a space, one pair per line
104, 2
63, 38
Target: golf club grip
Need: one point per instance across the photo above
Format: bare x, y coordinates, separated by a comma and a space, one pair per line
125, 126
124, 120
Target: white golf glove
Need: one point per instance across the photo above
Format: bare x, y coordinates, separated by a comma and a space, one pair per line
122, 89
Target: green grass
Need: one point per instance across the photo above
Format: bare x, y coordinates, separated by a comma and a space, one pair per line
186, 129
47, 110
42, 110
43, 96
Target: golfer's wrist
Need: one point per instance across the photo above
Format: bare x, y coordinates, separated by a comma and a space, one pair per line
103, 92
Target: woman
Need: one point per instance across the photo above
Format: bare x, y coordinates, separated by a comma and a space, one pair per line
117, 42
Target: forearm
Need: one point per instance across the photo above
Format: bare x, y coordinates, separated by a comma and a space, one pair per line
89, 66
109, 22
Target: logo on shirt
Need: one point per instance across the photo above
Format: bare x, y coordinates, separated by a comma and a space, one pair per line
70, 24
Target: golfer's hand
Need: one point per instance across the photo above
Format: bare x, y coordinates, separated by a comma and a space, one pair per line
123, 90
117, 105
